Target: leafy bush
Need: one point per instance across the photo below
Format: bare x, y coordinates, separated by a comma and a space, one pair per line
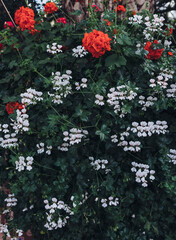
88, 143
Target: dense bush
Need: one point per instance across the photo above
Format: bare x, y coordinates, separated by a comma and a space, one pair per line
88, 134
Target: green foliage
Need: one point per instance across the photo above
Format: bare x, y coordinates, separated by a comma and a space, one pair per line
142, 213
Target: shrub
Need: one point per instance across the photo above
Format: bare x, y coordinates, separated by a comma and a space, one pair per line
88, 141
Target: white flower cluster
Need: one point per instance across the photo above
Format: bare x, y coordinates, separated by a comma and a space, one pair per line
31, 97
76, 202
152, 26
111, 201
4, 229
53, 209
22, 163
99, 100
142, 172
167, 43
144, 129
9, 139
98, 164
136, 19
55, 48
11, 201
21, 123
162, 79
79, 51
41, 148
148, 102
172, 156
118, 95
74, 136
133, 146
64, 147
82, 85
62, 86
171, 92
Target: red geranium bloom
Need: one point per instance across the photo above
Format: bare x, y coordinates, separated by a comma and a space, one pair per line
97, 43
170, 54
153, 53
120, 8
108, 23
11, 106
133, 12
24, 17
8, 24
170, 31
61, 20
50, 7
1, 46
96, 8
115, 1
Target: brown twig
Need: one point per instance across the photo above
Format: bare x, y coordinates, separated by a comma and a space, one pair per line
8, 13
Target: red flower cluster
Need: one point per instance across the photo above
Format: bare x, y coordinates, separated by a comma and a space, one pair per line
108, 23
11, 106
50, 7
97, 43
1, 46
24, 17
96, 8
170, 54
61, 20
115, 1
8, 24
120, 8
153, 53
169, 32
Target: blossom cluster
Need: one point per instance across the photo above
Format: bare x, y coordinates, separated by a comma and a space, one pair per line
99, 100
61, 86
147, 102
79, 51
41, 148
162, 79
11, 201
171, 92
99, 163
172, 156
24, 17
22, 163
118, 95
111, 201
142, 171
31, 97
55, 208
144, 129
73, 136
4, 229
21, 123
55, 48
75, 201
9, 139
82, 85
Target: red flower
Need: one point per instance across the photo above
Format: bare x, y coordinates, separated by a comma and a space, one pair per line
24, 17
97, 43
61, 20
115, 31
108, 23
120, 8
153, 53
8, 24
115, 1
1, 46
50, 7
169, 32
133, 13
170, 54
96, 8
11, 106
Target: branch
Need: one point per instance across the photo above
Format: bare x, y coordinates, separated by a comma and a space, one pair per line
8, 13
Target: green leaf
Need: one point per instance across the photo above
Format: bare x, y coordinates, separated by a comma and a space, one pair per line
115, 59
